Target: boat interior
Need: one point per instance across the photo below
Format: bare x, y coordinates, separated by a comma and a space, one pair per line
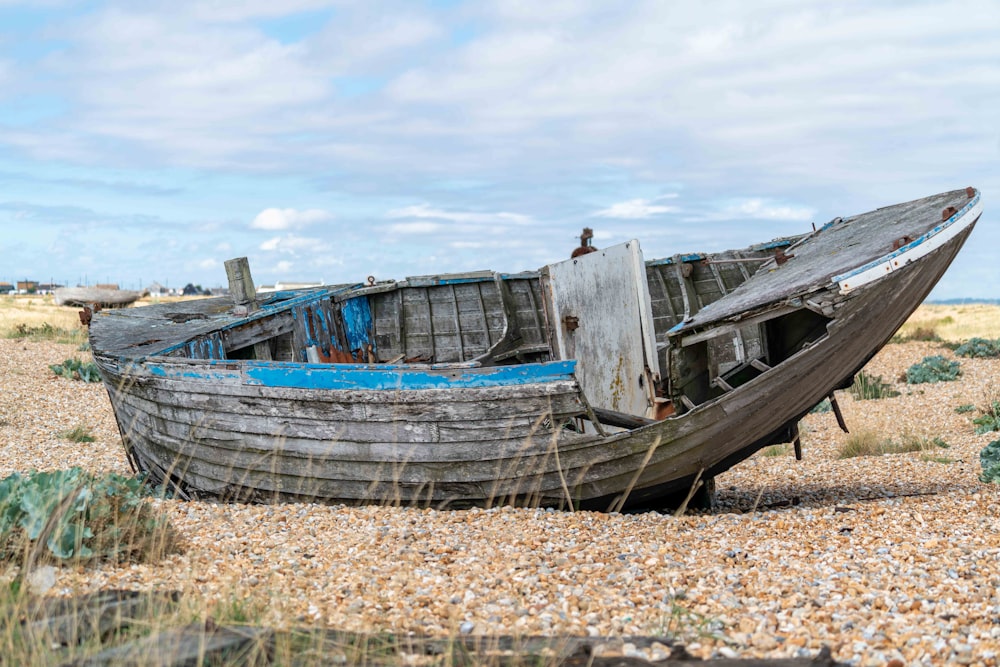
610, 310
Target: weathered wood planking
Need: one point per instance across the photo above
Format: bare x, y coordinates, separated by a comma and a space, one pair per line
749, 350
602, 317
115, 620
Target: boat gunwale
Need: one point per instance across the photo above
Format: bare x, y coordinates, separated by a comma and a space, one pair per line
966, 215
949, 225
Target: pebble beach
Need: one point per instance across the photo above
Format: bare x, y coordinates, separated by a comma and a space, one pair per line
891, 559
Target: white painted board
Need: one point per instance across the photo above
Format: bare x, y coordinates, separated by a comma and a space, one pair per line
614, 342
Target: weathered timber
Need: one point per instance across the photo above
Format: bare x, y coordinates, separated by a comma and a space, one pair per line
72, 621
531, 388
104, 619
96, 296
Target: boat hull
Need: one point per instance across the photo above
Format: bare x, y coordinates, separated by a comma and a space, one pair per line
458, 434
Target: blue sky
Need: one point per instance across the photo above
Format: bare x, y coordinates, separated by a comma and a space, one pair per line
151, 141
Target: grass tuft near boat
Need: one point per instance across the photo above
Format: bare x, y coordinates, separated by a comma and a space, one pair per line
605, 381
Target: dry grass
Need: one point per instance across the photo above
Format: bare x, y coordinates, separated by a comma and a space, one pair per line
953, 323
34, 311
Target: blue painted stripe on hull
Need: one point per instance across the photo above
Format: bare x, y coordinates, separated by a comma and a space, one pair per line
362, 377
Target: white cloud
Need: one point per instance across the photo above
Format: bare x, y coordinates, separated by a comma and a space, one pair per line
634, 209
293, 244
414, 228
761, 209
288, 218
425, 211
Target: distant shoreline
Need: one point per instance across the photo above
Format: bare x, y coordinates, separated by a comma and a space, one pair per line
962, 302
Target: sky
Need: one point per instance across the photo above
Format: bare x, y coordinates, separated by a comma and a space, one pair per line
331, 141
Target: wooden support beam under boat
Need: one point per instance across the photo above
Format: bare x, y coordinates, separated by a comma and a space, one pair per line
836, 411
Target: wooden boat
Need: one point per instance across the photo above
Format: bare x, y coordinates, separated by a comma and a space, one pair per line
103, 297
604, 381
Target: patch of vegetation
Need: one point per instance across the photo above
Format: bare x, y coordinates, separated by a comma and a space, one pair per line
869, 443
933, 369
46, 333
979, 347
869, 387
775, 450
964, 408
988, 419
926, 332
73, 515
822, 406
78, 434
74, 369
989, 459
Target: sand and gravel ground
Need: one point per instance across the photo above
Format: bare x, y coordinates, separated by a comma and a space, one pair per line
884, 558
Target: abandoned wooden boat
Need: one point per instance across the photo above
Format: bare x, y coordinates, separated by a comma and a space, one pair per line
604, 381
102, 297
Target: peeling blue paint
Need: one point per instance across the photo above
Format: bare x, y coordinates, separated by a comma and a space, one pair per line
365, 377
772, 245
382, 378
358, 324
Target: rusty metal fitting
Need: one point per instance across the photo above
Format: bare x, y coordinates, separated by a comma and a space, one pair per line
948, 212
970, 192
571, 322
901, 241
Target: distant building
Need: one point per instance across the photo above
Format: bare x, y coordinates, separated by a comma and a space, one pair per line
46, 288
156, 289
6, 288
27, 286
282, 285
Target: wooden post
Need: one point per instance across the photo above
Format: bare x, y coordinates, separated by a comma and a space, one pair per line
241, 283
245, 297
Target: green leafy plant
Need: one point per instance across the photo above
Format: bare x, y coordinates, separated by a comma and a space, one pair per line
75, 369
989, 419
933, 369
966, 407
822, 406
979, 347
989, 459
73, 514
78, 434
868, 387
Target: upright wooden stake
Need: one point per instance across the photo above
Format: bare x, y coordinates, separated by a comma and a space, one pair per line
241, 283
245, 296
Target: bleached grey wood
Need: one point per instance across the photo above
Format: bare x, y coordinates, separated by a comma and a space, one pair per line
211, 429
